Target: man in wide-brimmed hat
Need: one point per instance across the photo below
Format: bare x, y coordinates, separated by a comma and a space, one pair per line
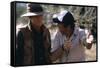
33, 41
70, 40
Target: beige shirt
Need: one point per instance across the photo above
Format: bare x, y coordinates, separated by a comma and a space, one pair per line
77, 51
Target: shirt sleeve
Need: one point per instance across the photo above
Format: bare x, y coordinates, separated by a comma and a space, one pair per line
19, 48
55, 42
82, 34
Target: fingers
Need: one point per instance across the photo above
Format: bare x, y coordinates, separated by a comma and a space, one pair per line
67, 45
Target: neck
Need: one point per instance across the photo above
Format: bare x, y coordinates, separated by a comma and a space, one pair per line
37, 28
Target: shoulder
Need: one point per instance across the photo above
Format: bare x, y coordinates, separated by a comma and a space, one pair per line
58, 36
20, 28
83, 33
79, 31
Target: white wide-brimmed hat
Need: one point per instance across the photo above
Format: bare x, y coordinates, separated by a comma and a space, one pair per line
33, 10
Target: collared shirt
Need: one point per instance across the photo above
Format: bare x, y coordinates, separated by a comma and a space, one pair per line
77, 52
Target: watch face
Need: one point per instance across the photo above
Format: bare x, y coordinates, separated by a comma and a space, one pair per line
32, 45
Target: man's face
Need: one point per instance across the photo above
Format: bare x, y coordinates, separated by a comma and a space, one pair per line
64, 30
36, 20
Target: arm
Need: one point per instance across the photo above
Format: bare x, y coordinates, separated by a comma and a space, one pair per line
56, 48
86, 38
19, 48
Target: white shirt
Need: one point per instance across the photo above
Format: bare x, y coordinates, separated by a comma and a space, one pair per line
77, 51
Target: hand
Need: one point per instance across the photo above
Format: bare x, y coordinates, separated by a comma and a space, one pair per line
89, 45
67, 45
89, 41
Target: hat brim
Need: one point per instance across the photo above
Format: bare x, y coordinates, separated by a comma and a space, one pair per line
55, 20
31, 14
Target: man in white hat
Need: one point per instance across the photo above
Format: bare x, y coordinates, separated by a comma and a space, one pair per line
33, 41
69, 41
